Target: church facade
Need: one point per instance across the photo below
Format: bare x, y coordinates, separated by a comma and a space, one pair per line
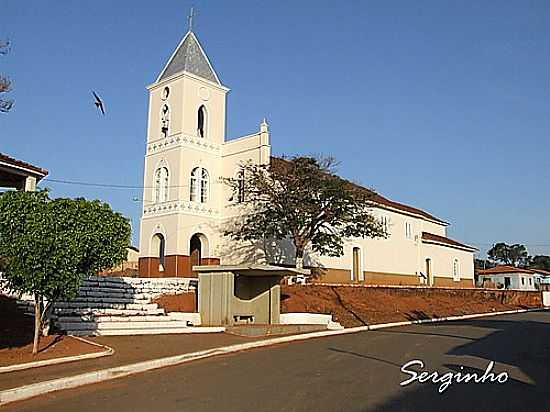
186, 205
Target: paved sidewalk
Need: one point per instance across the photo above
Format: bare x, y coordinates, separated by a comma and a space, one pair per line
128, 350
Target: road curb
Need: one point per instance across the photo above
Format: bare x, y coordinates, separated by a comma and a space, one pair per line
41, 388
37, 364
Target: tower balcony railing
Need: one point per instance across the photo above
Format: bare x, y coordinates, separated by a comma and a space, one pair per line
182, 140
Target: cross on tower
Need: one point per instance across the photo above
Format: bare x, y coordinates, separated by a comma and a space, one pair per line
190, 18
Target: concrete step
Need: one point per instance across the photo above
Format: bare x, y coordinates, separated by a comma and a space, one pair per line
102, 326
109, 293
105, 292
164, 331
189, 317
100, 305
108, 312
106, 318
105, 299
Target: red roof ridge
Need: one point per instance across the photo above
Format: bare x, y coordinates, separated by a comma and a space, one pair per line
505, 269
443, 239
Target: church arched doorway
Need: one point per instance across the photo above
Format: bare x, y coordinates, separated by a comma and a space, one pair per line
198, 248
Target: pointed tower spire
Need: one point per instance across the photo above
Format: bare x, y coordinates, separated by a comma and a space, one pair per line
189, 57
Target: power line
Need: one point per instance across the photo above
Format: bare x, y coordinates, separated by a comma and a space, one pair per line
109, 185
133, 187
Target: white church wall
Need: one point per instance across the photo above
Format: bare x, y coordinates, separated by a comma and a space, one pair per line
442, 258
253, 148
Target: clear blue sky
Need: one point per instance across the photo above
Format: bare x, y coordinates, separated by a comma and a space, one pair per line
440, 104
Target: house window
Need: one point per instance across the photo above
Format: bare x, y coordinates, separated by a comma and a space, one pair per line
198, 189
530, 282
164, 120
456, 270
522, 281
507, 282
408, 230
161, 185
201, 121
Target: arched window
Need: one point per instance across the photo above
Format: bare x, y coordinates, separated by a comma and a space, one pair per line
161, 185
202, 121
159, 247
164, 120
456, 270
198, 189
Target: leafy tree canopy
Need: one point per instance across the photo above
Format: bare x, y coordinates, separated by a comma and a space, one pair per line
301, 199
540, 262
49, 245
515, 254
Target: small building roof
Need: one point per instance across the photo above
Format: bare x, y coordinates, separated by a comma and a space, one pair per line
14, 172
503, 269
252, 270
445, 241
11, 162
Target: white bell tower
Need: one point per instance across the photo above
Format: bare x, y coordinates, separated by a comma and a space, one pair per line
182, 196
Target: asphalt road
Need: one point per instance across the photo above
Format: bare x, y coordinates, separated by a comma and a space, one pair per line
359, 372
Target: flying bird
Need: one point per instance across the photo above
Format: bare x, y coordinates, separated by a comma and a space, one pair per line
98, 103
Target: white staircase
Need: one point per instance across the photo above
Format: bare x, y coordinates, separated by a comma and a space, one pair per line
123, 306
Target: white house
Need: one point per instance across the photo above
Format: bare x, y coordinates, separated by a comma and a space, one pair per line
185, 204
509, 277
18, 174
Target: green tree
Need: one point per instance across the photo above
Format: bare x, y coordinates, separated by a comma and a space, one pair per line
515, 254
302, 200
540, 262
49, 246
5, 83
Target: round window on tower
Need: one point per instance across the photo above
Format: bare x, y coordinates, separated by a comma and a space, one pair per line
165, 93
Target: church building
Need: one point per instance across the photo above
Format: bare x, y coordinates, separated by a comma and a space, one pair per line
186, 204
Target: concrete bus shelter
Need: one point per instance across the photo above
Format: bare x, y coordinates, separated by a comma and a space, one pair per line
230, 295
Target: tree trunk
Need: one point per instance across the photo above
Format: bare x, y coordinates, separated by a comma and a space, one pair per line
299, 257
37, 322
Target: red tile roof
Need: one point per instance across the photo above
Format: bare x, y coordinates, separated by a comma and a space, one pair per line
431, 237
21, 164
505, 269
381, 200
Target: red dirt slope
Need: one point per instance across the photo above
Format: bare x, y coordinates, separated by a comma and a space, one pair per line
356, 306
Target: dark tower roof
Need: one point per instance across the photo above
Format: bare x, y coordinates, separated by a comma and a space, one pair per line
189, 57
